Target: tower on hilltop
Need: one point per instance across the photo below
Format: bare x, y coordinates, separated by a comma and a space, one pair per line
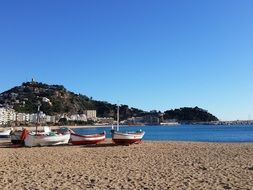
33, 81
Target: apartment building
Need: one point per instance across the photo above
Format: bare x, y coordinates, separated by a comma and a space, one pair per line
7, 115
22, 117
91, 114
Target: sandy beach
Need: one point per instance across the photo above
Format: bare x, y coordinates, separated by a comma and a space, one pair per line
149, 165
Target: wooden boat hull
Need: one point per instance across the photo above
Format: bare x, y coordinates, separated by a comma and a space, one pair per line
76, 139
44, 140
127, 137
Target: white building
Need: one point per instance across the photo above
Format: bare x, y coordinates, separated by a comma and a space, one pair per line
3, 119
33, 118
43, 118
91, 114
50, 119
23, 117
105, 120
83, 117
44, 99
77, 117
74, 117
7, 115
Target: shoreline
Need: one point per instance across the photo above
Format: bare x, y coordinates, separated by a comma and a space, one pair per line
84, 126
103, 126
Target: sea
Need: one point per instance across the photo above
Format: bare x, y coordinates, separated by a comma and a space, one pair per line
193, 133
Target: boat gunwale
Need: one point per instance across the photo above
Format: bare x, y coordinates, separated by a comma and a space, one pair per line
129, 133
89, 136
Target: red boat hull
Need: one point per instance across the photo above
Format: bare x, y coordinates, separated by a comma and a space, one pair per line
126, 138
76, 139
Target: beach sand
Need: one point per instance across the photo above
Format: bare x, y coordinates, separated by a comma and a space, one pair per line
149, 165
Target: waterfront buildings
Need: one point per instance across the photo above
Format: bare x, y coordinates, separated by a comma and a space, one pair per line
8, 116
22, 117
78, 117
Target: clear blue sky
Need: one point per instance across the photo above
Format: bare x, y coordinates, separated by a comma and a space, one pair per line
147, 54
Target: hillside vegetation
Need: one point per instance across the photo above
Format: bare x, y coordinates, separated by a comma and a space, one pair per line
56, 99
190, 114
25, 99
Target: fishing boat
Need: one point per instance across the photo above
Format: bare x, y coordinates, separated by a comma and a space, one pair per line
77, 139
125, 138
5, 133
46, 139
49, 139
18, 136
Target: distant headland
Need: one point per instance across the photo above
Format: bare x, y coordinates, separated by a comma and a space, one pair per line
18, 106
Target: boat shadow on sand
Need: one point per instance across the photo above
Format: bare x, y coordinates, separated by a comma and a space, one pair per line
9, 145
98, 145
105, 144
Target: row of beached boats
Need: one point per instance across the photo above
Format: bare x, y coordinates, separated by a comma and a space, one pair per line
47, 137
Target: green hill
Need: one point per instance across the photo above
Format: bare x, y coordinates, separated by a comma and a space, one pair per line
190, 115
58, 100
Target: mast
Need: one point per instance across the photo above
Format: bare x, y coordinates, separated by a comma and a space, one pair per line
38, 117
118, 117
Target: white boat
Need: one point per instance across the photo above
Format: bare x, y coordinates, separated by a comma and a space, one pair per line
49, 139
126, 138
77, 139
18, 136
5, 133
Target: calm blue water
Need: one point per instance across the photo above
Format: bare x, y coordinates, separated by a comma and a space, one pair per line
199, 133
